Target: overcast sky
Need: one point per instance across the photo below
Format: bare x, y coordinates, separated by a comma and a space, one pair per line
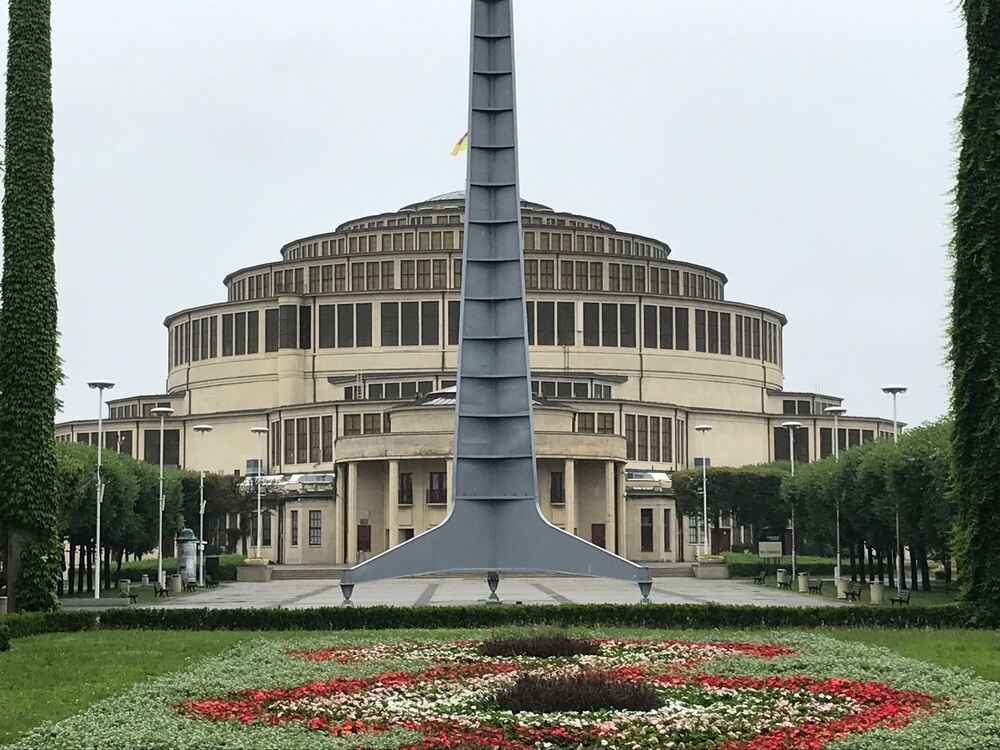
806, 149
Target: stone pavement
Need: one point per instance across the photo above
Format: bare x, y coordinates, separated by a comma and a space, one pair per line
303, 594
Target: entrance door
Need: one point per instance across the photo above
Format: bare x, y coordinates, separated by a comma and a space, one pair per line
364, 538
722, 541
597, 534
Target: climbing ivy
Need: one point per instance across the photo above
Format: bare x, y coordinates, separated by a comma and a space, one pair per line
28, 361
975, 319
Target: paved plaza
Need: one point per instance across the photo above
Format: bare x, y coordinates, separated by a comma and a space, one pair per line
304, 594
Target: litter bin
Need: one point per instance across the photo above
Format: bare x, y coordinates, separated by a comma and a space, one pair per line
803, 583
145, 579
877, 589
212, 566
781, 576
125, 585
842, 584
176, 584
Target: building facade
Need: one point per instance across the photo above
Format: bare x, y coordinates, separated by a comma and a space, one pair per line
345, 348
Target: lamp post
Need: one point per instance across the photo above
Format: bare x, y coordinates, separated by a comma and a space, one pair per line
262, 432
894, 391
162, 412
703, 430
201, 429
792, 426
837, 412
100, 386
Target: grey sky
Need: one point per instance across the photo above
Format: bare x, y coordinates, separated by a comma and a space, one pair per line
806, 149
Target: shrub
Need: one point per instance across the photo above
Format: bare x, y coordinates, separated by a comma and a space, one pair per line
593, 691
23, 624
135, 569
542, 645
4, 637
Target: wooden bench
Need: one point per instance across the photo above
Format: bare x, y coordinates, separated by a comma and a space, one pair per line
787, 585
190, 587
816, 588
131, 597
160, 590
903, 597
853, 592
760, 578
211, 583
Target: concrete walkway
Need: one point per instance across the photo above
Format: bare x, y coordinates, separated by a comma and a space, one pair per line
303, 594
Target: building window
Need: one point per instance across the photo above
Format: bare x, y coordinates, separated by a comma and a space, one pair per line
315, 446
566, 274
390, 324
456, 273
557, 494
407, 274
654, 438
388, 274
546, 276
372, 423
423, 274
429, 323
440, 277
609, 324
302, 440
294, 532
531, 274
642, 443
406, 488
646, 529
352, 424
438, 490
627, 317
681, 328
315, 528
410, 324
345, 326
699, 330
327, 429
585, 422
545, 313
454, 313
265, 531
630, 437
605, 423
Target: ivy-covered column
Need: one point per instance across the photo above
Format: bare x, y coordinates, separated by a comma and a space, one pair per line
28, 359
975, 321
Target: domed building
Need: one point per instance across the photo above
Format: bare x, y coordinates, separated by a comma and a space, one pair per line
345, 348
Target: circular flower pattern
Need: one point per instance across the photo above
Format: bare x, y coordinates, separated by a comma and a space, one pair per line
449, 703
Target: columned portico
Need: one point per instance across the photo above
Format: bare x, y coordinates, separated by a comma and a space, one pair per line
352, 513
610, 518
392, 505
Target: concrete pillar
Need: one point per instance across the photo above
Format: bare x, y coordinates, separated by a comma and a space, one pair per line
392, 509
352, 513
569, 490
449, 480
338, 517
610, 535
621, 524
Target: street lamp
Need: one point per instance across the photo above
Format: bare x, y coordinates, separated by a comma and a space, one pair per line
162, 412
792, 427
703, 430
100, 386
262, 432
894, 391
201, 429
837, 412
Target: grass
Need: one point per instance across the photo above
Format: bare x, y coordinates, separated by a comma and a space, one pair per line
143, 595
978, 650
50, 677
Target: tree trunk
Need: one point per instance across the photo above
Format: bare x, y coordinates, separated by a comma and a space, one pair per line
90, 569
914, 564
925, 570
901, 564
72, 566
81, 566
118, 569
17, 540
854, 571
947, 571
107, 567
890, 564
60, 588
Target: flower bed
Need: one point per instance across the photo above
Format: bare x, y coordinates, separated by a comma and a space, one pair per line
747, 692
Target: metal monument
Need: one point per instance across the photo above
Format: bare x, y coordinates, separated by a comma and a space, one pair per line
495, 524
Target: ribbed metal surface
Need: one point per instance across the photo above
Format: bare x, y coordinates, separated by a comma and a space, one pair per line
496, 523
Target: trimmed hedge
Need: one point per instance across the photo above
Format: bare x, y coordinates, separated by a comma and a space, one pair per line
4, 637
134, 570
667, 616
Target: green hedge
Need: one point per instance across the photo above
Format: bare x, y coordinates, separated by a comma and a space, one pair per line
672, 616
136, 569
4, 637
749, 570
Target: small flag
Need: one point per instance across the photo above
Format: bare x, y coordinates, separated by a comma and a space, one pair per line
462, 145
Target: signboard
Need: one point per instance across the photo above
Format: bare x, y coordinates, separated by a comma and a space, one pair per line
769, 549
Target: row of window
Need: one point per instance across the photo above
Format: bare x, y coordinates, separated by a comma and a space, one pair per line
435, 494
350, 325
646, 530
650, 438
132, 411
446, 273
425, 219
120, 441
846, 438
453, 238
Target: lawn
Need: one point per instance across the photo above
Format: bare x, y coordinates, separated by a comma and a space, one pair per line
50, 677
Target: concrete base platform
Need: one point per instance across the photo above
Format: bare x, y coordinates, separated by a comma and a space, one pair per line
410, 592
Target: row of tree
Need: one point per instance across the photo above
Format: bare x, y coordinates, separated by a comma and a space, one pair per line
129, 513
869, 484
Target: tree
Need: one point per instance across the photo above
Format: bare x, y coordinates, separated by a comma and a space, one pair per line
750, 494
975, 316
28, 358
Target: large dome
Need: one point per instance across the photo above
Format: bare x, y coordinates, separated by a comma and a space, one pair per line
457, 198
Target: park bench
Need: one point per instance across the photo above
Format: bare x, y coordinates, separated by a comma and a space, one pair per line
190, 587
126, 595
211, 583
903, 597
786, 584
853, 592
816, 588
760, 577
160, 590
